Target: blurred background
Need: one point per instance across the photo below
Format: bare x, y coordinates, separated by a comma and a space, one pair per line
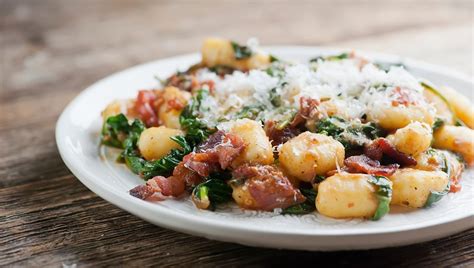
50, 50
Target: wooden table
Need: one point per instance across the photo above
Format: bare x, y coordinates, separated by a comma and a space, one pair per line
51, 50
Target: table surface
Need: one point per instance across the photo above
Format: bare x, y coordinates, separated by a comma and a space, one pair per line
51, 50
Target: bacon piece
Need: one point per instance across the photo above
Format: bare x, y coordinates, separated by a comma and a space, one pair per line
142, 191
182, 81
216, 153
280, 136
174, 185
146, 108
308, 109
268, 187
363, 164
382, 147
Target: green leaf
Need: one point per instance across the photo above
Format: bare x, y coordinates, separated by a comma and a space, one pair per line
307, 206
352, 134
384, 195
273, 58
117, 132
189, 118
436, 196
338, 57
250, 112
438, 123
208, 194
161, 167
241, 52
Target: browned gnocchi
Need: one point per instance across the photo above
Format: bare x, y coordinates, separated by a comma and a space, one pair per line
310, 154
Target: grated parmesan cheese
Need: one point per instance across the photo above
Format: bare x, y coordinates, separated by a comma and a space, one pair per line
348, 89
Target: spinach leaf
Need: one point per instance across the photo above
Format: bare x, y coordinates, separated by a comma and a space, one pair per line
250, 112
435, 196
438, 123
338, 57
384, 195
161, 167
222, 70
117, 132
241, 52
352, 135
273, 58
307, 206
210, 193
275, 98
189, 120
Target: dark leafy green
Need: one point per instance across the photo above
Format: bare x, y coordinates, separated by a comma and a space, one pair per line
212, 192
161, 167
117, 132
241, 52
438, 123
352, 135
189, 119
222, 70
273, 58
436, 196
338, 57
384, 195
307, 206
251, 111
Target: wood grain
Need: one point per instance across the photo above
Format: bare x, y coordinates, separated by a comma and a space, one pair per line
51, 50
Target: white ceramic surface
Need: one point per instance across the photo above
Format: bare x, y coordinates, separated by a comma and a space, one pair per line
77, 136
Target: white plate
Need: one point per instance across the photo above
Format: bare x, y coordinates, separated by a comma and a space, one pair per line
77, 136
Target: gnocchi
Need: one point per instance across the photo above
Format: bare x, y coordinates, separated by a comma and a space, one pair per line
217, 51
463, 108
154, 143
457, 139
412, 139
412, 187
258, 148
395, 117
310, 154
346, 195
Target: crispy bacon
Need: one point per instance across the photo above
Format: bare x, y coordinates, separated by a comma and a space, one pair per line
182, 81
268, 187
364, 164
174, 185
216, 153
280, 136
145, 107
308, 109
382, 147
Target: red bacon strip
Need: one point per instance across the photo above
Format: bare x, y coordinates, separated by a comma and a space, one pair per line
216, 153
145, 107
363, 164
308, 109
268, 187
280, 136
382, 147
174, 185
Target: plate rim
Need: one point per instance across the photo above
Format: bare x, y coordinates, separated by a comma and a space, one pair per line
132, 205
